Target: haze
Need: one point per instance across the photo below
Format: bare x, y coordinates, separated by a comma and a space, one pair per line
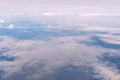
68, 6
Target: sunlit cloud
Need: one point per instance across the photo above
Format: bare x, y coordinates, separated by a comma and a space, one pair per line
2, 21
48, 14
11, 26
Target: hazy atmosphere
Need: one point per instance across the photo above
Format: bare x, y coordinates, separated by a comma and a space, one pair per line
41, 6
59, 39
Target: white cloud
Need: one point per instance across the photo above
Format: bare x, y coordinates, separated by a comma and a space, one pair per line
48, 14
11, 26
2, 21
110, 38
106, 72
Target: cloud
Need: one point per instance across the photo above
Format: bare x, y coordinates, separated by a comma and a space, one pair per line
110, 38
52, 54
38, 58
11, 26
42, 56
2, 21
106, 72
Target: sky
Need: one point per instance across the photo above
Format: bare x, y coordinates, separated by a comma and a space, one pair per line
60, 6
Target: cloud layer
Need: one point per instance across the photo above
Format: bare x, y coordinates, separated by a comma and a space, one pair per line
65, 46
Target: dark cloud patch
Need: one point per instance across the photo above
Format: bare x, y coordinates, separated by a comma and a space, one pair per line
70, 72
4, 50
4, 56
7, 58
100, 42
96, 41
111, 60
27, 71
2, 73
37, 33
